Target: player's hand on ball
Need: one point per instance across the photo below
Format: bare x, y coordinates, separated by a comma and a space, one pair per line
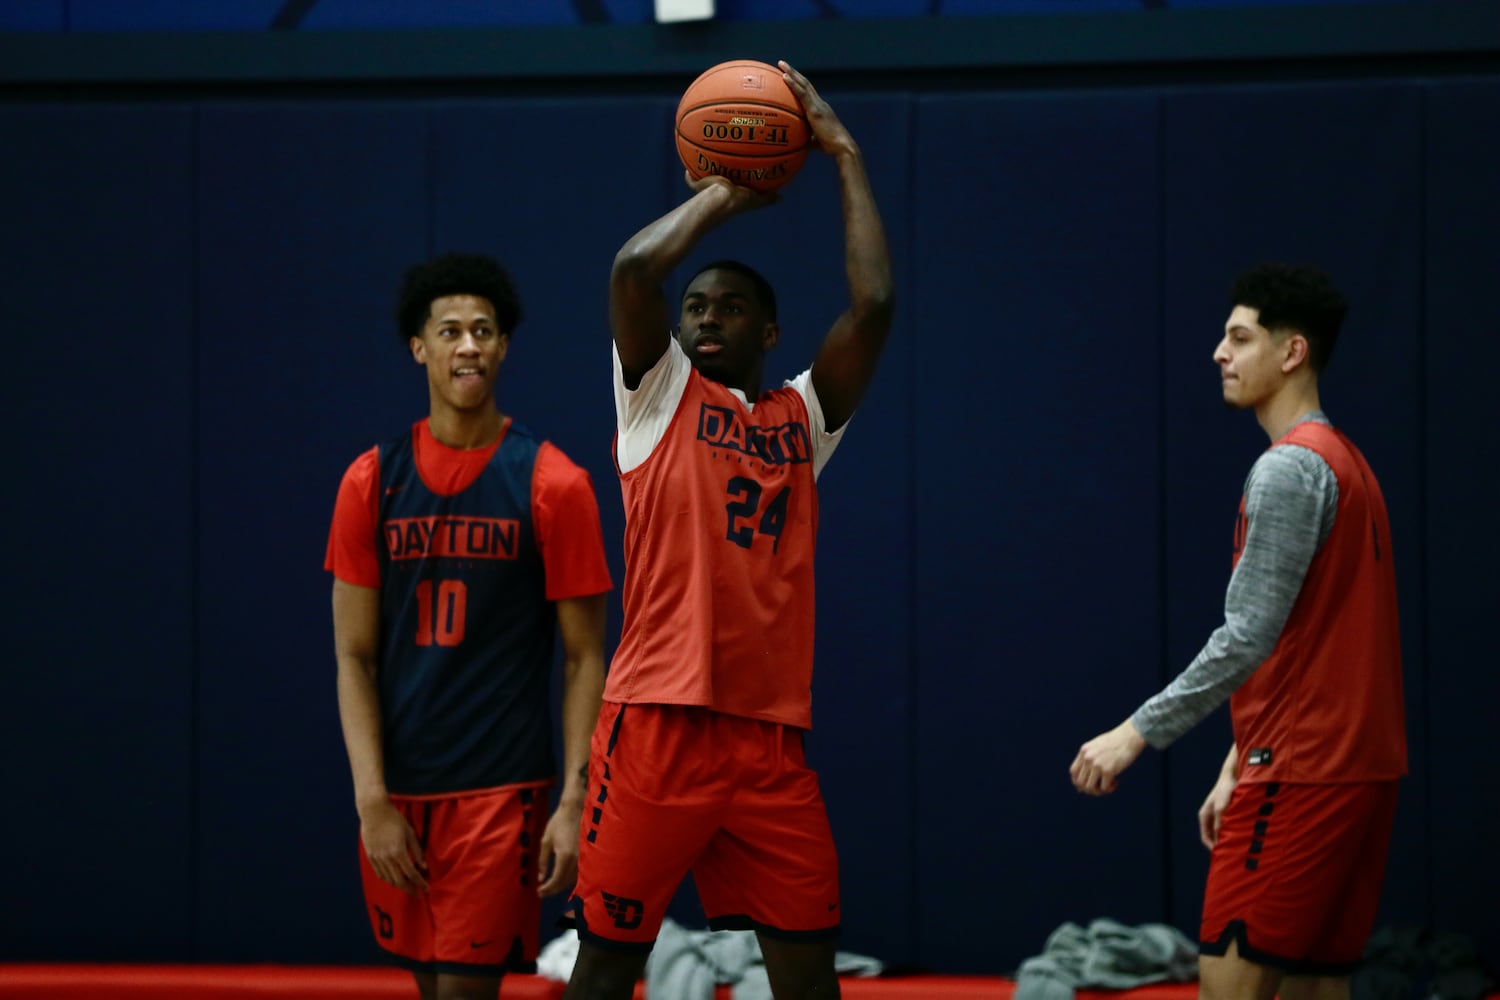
830, 133
743, 199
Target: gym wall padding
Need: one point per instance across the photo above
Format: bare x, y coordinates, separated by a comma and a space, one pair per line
1036, 537
100, 660
1026, 532
1460, 471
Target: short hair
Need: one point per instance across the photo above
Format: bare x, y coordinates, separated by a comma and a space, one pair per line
456, 274
763, 290
1294, 297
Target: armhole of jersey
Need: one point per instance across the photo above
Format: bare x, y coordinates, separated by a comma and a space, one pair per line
539, 484
658, 422
351, 506
569, 489
375, 500
823, 441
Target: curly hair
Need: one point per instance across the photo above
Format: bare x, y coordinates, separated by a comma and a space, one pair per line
456, 274
1293, 297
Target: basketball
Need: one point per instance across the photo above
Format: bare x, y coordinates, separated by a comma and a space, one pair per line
741, 121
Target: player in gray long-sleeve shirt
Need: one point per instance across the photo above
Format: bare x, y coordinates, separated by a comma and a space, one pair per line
1300, 817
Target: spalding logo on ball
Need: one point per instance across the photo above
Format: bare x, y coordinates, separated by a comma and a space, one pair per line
741, 121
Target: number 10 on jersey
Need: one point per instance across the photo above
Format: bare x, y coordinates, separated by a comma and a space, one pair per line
442, 607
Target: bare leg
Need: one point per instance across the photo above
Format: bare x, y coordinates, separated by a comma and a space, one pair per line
1230, 977
602, 974
1315, 988
801, 970
451, 987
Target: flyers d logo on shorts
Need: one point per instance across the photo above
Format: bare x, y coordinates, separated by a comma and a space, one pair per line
626, 913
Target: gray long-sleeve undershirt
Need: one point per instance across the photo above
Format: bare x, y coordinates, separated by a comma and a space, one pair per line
1291, 499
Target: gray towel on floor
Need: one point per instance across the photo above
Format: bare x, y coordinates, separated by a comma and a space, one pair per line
1106, 954
687, 965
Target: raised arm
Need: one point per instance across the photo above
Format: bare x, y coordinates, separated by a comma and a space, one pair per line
846, 361
638, 312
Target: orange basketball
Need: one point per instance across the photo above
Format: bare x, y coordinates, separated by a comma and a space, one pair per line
740, 120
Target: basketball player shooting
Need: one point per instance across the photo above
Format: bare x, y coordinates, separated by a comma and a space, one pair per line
697, 762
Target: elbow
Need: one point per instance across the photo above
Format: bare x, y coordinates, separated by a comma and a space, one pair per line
629, 258
875, 307
585, 672
356, 666
634, 265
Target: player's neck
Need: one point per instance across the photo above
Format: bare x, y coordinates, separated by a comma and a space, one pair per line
749, 388
1282, 411
466, 429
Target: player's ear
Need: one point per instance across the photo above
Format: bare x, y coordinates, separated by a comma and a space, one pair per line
1297, 353
771, 337
418, 350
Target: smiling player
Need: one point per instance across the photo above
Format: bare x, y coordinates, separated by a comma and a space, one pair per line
459, 550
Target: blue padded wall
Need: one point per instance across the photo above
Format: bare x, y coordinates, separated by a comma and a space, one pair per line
1321, 174
1036, 550
308, 215
33, 15
1462, 473
98, 652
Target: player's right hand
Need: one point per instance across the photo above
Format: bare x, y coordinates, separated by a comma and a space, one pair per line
1211, 813
393, 848
742, 199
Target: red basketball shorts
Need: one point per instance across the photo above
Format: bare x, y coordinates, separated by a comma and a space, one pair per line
1295, 876
674, 789
480, 915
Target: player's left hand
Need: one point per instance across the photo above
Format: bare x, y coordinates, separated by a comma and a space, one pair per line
830, 133
557, 860
1102, 759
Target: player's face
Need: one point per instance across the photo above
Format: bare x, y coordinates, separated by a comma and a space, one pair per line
461, 347
724, 328
1251, 359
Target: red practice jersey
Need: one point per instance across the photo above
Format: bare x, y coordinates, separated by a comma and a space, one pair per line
721, 522
1326, 706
